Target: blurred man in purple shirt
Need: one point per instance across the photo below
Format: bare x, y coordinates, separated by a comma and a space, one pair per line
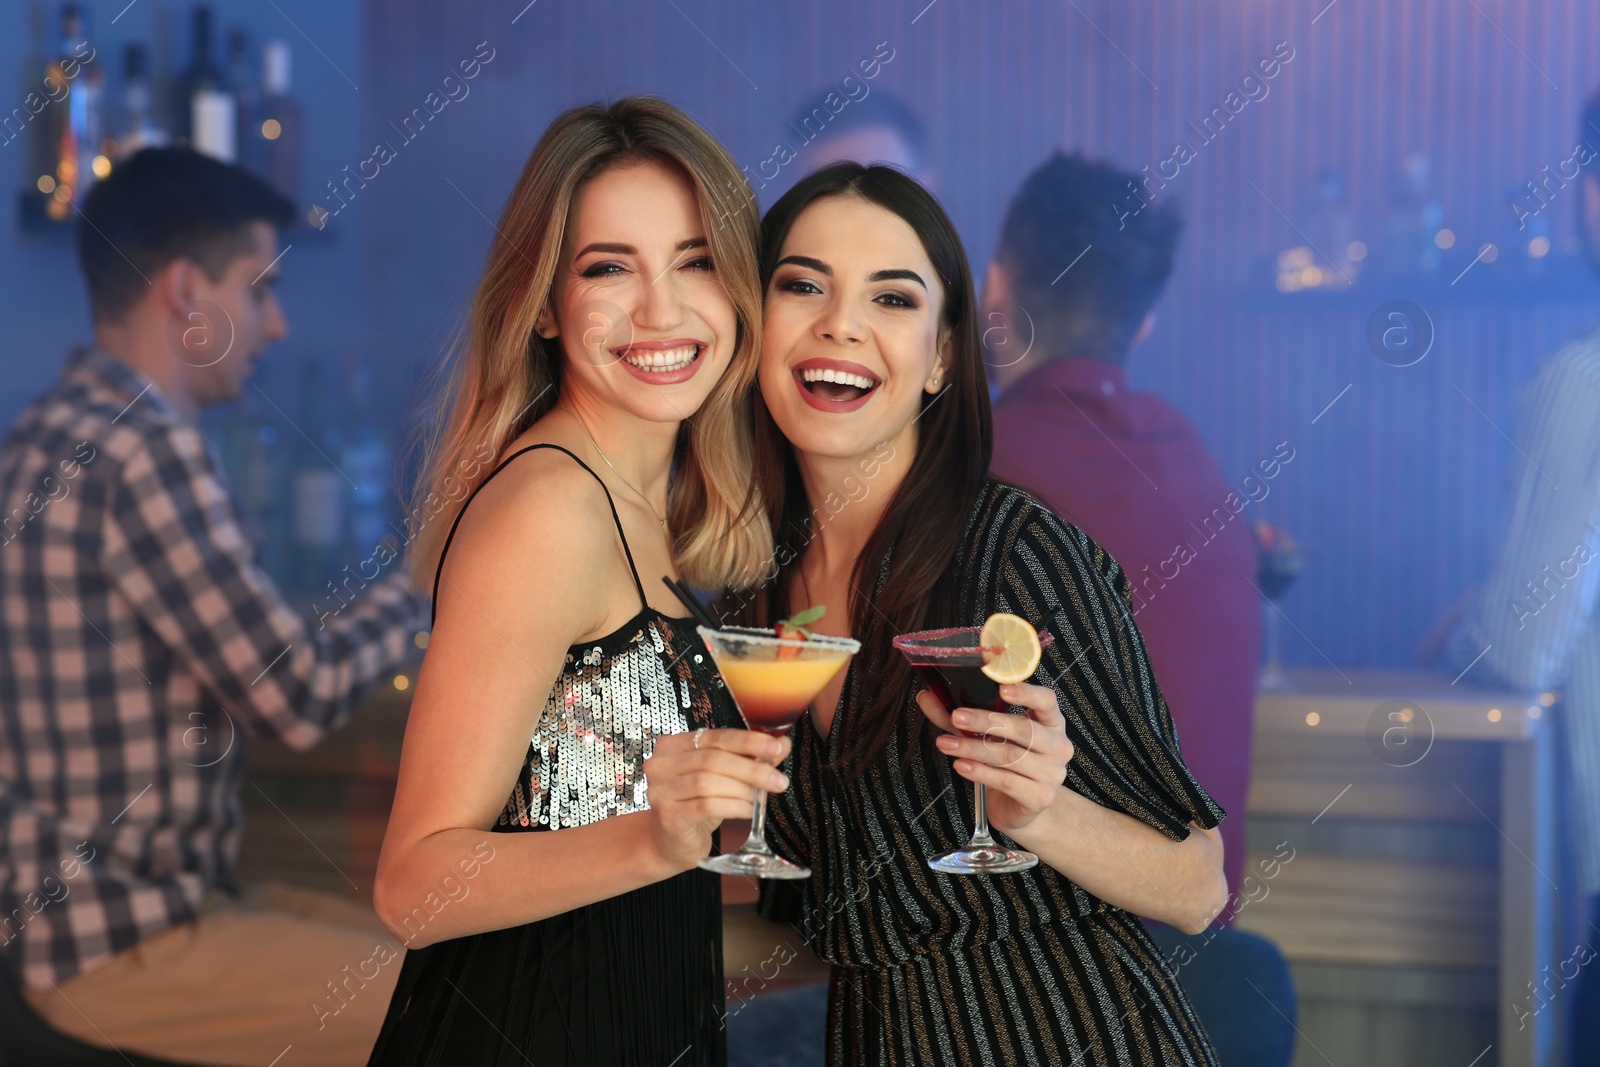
1077, 271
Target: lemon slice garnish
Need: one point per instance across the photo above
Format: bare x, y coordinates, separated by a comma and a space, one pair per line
1018, 645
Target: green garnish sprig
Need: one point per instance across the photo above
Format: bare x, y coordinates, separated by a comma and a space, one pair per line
796, 623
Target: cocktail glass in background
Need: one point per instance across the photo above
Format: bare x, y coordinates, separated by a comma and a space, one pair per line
1279, 563
773, 680
950, 662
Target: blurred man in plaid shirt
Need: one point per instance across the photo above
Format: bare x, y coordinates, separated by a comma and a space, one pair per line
140, 644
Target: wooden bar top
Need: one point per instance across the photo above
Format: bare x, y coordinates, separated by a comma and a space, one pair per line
1344, 702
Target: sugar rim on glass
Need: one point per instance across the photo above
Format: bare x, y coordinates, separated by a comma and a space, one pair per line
756, 636
917, 643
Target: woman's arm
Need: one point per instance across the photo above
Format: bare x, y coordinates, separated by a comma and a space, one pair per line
1023, 760
526, 578
1132, 865
1090, 778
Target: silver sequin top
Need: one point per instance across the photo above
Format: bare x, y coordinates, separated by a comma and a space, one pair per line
615, 696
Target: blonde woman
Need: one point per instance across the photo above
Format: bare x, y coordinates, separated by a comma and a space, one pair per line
550, 900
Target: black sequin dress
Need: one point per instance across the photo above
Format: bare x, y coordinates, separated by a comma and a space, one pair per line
632, 980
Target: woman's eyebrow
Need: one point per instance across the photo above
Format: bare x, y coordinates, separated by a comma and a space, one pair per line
629, 250
808, 263
897, 275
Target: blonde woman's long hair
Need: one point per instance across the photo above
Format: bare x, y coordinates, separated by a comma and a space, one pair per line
506, 376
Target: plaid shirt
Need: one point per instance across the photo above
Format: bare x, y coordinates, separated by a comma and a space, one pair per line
139, 646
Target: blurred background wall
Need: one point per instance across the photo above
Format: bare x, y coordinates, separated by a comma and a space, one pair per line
1381, 162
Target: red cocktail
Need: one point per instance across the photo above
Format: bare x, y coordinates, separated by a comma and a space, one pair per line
951, 663
961, 686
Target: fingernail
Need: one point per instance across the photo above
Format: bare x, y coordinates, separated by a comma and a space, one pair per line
1008, 690
947, 744
779, 782
961, 718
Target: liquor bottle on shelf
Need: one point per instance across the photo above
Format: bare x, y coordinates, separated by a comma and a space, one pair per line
1329, 224
204, 109
267, 476
279, 132
139, 129
246, 99
34, 67
63, 128
88, 100
250, 441
1417, 236
317, 491
369, 461
164, 62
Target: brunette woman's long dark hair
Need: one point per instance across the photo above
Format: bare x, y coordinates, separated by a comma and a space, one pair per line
914, 548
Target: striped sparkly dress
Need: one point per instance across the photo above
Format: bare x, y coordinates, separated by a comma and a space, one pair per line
1017, 969
631, 981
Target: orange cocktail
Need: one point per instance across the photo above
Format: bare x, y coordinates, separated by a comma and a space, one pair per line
773, 680
772, 693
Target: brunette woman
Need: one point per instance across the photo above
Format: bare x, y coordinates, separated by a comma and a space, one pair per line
549, 894
873, 440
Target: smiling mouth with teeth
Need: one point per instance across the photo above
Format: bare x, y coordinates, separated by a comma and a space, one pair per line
830, 384
663, 360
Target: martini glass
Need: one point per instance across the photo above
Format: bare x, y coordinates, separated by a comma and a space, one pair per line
773, 680
1279, 563
950, 662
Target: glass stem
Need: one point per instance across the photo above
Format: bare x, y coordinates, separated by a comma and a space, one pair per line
1274, 663
757, 841
980, 805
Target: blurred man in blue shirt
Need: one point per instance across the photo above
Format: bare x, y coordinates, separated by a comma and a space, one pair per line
1532, 624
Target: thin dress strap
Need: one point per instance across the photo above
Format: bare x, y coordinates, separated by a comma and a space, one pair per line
439, 571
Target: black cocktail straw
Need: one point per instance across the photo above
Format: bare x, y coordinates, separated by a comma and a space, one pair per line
701, 613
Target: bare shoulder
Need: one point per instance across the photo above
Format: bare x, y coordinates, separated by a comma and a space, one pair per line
538, 532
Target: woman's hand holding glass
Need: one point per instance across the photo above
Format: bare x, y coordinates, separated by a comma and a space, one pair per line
695, 787
1022, 759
